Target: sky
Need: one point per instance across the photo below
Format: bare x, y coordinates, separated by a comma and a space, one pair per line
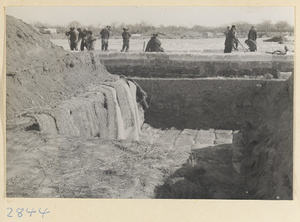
171, 15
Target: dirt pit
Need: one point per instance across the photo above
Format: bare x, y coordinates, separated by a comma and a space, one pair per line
253, 162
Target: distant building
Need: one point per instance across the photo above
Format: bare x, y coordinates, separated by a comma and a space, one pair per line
52, 31
208, 34
45, 30
219, 34
136, 35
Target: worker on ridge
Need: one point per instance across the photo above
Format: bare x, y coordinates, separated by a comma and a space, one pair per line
104, 38
90, 41
235, 43
82, 37
230, 40
251, 44
154, 45
227, 30
126, 36
72, 38
251, 41
252, 34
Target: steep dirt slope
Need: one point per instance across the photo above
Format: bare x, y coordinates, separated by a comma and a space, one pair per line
268, 146
38, 73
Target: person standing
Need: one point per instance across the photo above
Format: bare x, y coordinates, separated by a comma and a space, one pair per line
72, 38
82, 36
252, 36
126, 36
154, 45
90, 41
227, 30
230, 39
104, 38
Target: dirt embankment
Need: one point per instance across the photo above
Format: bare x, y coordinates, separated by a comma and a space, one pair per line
268, 147
41, 76
38, 73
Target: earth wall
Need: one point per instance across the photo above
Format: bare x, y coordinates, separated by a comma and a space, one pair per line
196, 65
207, 103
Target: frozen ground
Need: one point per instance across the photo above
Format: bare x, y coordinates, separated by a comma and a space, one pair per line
73, 167
213, 45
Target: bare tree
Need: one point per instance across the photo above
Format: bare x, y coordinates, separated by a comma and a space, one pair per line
282, 26
74, 24
40, 24
243, 28
266, 25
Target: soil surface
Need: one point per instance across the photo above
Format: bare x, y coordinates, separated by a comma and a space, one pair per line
39, 73
41, 165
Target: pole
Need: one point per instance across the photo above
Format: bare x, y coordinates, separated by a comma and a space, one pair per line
69, 41
242, 45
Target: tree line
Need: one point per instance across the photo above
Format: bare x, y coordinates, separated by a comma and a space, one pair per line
146, 28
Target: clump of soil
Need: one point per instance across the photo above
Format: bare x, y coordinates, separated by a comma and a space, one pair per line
280, 39
38, 73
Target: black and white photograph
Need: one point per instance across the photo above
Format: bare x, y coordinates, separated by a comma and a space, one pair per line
159, 102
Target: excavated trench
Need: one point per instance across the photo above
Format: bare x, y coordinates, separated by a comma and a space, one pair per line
202, 138
218, 126
214, 116
224, 114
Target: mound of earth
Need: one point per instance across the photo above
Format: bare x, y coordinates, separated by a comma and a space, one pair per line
280, 39
38, 73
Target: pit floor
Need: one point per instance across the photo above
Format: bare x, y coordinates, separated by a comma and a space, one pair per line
163, 164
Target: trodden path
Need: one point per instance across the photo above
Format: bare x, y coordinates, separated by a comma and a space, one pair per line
205, 163
40, 165
184, 141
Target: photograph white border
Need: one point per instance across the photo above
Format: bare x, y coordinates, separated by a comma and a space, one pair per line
151, 210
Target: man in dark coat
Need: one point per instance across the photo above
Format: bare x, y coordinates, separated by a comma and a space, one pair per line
104, 38
82, 36
90, 41
230, 39
227, 30
252, 36
251, 44
126, 36
154, 45
72, 38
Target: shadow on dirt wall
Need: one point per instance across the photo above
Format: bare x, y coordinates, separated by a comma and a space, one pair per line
208, 174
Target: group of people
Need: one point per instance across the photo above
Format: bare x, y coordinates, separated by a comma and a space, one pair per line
88, 40
154, 45
232, 42
86, 37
